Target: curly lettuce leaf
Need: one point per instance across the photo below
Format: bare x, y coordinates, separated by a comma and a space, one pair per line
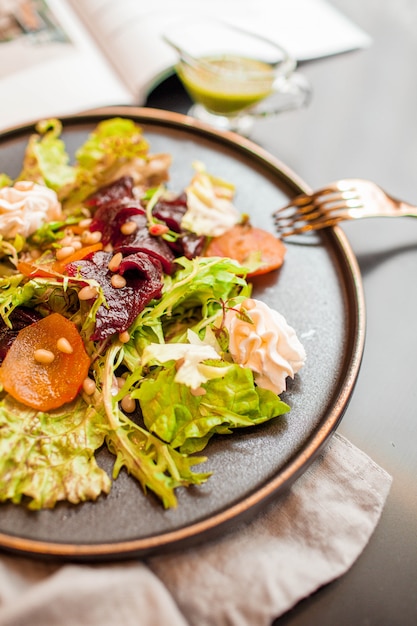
13, 293
155, 464
201, 282
46, 159
49, 457
187, 421
44, 294
113, 143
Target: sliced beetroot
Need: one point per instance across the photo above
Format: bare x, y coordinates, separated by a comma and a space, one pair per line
7, 337
19, 318
104, 218
143, 276
171, 212
140, 240
117, 191
114, 209
192, 245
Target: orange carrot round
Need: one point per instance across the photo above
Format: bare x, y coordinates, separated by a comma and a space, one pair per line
46, 365
242, 240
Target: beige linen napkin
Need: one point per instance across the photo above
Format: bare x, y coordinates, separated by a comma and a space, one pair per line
309, 536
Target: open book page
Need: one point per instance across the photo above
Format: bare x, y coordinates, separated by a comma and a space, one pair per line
63, 56
49, 64
130, 31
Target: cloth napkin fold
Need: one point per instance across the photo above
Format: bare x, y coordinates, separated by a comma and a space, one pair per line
307, 537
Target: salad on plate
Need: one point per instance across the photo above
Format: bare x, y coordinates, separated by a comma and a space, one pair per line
127, 319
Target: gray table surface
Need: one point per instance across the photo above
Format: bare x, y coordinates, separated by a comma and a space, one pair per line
362, 123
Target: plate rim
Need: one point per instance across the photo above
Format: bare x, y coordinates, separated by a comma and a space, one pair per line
208, 528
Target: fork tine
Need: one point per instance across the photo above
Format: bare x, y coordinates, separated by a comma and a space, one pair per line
290, 229
307, 214
317, 210
324, 198
346, 199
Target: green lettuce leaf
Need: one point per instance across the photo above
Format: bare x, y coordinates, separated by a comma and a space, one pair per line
46, 159
113, 143
155, 464
44, 294
187, 421
49, 457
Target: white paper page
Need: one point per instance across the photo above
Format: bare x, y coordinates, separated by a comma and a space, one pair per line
52, 70
131, 30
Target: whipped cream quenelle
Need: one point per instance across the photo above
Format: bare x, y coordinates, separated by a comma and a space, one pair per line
25, 207
268, 346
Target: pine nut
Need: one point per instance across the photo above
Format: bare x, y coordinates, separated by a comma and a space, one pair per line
128, 404
85, 223
43, 356
63, 253
87, 293
64, 345
128, 228
66, 241
118, 281
76, 244
115, 261
90, 238
89, 386
124, 337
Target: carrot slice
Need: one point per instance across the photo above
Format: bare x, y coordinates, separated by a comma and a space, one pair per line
32, 270
50, 270
241, 241
41, 385
59, 266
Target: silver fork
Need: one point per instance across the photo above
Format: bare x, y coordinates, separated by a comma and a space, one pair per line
348, 199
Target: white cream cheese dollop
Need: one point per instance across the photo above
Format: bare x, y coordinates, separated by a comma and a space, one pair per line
25, 207
268, 346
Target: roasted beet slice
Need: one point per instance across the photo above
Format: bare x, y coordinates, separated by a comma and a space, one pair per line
104, 218
192, 244
117, 191
143, 276
19, 318
171, 212
140, 240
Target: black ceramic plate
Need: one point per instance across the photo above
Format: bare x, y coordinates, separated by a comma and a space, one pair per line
319, 291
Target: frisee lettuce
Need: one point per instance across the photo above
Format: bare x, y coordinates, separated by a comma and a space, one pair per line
113, 143
46, 160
